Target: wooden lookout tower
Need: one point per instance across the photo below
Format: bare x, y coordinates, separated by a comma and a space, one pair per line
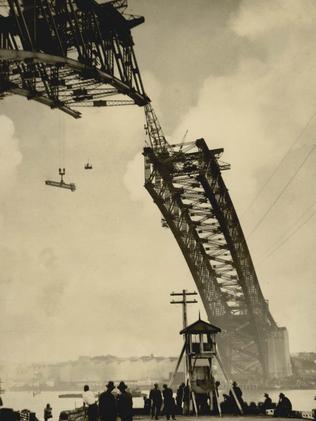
200, 351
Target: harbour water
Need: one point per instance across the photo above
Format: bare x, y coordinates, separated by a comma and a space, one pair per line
301, 400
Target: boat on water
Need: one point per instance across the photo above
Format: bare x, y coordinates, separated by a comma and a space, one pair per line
70, 395
137, 393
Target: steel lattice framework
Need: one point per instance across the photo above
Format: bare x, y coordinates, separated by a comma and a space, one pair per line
69, 53
185, 183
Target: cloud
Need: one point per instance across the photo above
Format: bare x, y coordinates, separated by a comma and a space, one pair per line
10, 154
259, 18
256, 113
258, 110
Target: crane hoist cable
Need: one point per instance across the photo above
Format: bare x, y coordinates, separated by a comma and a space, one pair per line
61, 171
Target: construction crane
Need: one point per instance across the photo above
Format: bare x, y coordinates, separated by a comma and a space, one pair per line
68, 54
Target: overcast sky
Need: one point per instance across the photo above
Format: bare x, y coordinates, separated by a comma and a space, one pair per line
90, 272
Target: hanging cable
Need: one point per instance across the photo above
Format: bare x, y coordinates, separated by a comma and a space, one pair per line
285, 235
296, 140
286, 239
61, 141
282, 192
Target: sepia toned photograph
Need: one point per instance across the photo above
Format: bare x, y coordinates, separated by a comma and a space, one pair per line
157, 210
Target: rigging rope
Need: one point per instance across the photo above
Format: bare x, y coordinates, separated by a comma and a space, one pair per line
290, 235
296, 140
282, 192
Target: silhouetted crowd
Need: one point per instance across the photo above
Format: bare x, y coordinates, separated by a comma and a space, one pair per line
109, 406
230, 405
161, 402
233, 403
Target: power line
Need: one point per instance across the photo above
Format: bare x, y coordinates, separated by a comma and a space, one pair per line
279, 164
286, 239
281, 192
284, 236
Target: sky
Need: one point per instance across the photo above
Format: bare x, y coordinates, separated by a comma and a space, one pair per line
90, 272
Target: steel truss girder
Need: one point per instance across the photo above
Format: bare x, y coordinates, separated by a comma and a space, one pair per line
167, 199
47, 47
210, 237
218, 195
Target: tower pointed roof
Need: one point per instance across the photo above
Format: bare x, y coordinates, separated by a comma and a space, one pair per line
200, 326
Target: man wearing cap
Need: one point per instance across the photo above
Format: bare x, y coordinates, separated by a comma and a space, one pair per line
156, 401
267, 404
90, 402
125, 403
107, 404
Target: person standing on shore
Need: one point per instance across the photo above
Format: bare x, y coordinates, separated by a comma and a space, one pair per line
156, 401
90, 402
48, 412
180, 397
125, 403
186, 399
238, 394
169, 403
107, 404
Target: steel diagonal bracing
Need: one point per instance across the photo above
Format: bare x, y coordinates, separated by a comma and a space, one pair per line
167, 198
186, 184
69, 54
216, 191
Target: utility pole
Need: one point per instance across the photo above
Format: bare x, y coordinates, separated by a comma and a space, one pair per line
184, 294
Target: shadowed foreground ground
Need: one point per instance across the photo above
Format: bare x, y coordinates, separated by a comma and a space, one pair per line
214, 418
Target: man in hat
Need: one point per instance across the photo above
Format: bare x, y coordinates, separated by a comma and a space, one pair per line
107, 404
169, 403
238, 394
284, 406
156, 401
124, 403
267, 404
227, 406
90, 402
